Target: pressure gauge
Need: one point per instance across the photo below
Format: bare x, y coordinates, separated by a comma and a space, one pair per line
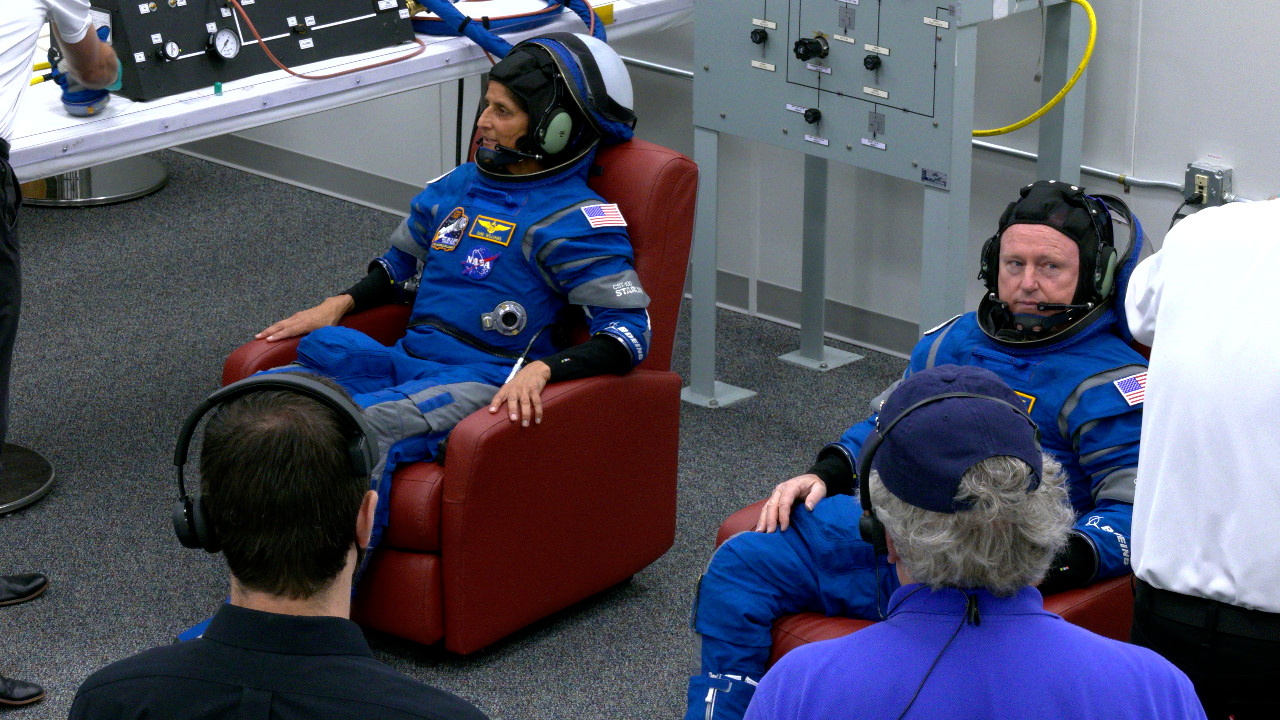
224, 44
170, 51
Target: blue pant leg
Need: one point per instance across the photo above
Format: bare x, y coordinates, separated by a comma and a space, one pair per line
819, 564
852, 581
350, 358
409, 420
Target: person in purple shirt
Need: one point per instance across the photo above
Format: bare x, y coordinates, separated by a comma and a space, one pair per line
957, 493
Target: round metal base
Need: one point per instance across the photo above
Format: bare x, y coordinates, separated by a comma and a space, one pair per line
25, 477
110, 182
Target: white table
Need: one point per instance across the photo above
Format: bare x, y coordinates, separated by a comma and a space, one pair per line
47, 141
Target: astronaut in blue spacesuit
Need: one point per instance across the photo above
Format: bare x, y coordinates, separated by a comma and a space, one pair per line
500, 252
1048, 327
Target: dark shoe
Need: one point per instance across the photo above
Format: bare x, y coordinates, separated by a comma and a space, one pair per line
17, 692
16, 589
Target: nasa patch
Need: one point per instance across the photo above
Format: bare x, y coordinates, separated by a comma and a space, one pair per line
492, 229
478, 265
449, 234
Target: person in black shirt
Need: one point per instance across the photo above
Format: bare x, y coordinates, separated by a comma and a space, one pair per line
284, 472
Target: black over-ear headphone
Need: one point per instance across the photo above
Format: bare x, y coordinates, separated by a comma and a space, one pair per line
554, 129
869, 526
191, 521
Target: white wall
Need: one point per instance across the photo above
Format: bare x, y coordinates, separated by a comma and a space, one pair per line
1171, 81
1151, 108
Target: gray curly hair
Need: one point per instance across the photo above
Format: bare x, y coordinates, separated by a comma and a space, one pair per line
1006, 541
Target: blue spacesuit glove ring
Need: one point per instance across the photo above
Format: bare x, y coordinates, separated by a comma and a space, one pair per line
1075, 566
119, 76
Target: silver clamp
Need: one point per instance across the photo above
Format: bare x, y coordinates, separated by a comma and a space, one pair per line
508, 318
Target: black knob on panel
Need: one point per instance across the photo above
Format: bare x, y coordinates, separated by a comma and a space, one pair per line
809, 48
759, 35
812, 115
871, 62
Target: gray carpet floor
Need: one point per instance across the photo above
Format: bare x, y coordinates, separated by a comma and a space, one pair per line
128, 312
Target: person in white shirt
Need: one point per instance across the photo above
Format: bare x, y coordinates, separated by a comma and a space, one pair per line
1206, 515
93, 64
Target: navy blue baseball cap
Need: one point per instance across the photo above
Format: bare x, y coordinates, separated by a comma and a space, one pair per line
942, 421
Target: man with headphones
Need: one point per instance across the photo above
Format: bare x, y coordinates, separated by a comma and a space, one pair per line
954, 488
496, 251
1048, 326
284, 495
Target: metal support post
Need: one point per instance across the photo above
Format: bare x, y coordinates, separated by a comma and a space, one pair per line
945, 253
1062, 128
813, 354
703, 388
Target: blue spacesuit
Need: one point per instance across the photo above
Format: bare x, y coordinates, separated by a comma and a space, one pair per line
480, 242
1077, 385
500, 257
822, 565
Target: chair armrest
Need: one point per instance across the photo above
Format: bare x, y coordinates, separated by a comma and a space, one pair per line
741, 521
536, 518
385, 323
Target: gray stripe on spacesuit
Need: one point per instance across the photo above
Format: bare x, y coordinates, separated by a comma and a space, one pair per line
1086, 459
1080, 433
467, 398
937, 343
877, 402
526, 245
607, 291
394, 421
1118, 484
402, 239
577, 263
1091, 382
542, 269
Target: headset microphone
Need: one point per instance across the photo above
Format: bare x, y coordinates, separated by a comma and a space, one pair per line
501, 156
1058, 307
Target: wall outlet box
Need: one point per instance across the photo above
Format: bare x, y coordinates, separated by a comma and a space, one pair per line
1210, 180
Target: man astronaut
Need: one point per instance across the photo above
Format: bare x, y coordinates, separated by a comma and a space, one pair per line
497, 251
1048, 327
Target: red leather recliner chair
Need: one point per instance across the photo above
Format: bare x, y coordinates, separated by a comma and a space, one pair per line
521, 522
1105, 607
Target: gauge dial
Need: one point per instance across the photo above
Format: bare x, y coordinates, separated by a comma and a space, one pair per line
171, 50
225, 44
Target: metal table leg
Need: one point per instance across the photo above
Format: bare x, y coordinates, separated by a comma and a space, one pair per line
110, 182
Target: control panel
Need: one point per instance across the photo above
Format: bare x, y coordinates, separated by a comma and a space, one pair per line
173, 46
864, 82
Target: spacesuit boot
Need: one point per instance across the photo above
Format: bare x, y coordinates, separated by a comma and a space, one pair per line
715, 696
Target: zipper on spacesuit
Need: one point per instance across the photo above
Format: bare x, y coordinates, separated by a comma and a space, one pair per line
461, 336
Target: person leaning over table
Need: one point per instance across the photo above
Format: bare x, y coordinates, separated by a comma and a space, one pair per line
93, 64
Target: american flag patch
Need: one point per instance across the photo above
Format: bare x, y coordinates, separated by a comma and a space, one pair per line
604, 215
1133, 388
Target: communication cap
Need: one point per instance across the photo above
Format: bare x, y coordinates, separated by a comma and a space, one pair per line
938, 435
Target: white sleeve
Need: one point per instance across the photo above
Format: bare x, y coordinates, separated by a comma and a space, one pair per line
1142, 298
72, 17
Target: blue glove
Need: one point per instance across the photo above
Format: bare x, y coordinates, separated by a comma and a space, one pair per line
77, 99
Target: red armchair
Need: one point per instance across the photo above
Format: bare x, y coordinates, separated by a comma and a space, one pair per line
1106, 607
521, 522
